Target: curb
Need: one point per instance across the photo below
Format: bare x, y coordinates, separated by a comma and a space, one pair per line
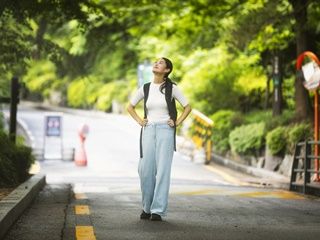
13, 205
267, 178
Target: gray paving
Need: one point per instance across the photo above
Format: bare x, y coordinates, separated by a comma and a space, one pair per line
45, 218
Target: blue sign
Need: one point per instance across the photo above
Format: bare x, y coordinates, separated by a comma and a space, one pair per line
53, 126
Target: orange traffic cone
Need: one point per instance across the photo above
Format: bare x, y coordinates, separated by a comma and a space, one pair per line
80, 157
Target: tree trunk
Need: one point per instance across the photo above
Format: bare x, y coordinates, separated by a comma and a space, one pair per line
303, 104
39, 38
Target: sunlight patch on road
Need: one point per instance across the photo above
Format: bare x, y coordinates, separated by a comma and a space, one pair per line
201, 192
227, 177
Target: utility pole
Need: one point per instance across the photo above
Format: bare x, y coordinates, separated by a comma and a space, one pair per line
277, 87
14, 100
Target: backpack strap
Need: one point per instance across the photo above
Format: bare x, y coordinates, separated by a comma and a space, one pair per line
146, 88
171, 104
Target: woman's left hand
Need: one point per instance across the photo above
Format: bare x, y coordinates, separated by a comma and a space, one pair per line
171, 123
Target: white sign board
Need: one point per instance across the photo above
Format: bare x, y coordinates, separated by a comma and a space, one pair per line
52, 137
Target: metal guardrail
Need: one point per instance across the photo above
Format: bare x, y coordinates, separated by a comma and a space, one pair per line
304, 175
201, 129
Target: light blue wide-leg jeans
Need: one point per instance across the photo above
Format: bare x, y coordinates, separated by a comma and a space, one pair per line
155, 167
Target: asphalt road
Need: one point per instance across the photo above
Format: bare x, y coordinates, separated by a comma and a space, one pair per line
102, 200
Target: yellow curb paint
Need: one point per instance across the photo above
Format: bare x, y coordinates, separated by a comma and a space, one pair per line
281, 194
261, 194
224, 175
85, 233
80, 196
82, 209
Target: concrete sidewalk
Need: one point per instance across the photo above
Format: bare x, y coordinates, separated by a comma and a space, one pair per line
13, 205
251, 175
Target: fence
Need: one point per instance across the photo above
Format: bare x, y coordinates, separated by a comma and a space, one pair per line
304, 174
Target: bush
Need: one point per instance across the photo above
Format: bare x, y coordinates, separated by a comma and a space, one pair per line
118, 90
270, 121
247, 139
15, 162
224, 121
276, 140
299, 132
284, 119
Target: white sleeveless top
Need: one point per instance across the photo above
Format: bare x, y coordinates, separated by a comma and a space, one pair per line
156, 104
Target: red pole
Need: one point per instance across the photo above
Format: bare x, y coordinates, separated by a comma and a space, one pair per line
316, 133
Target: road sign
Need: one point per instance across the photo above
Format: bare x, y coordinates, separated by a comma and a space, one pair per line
52, 137
53, 126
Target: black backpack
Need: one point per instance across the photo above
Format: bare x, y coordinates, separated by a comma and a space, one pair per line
171, 104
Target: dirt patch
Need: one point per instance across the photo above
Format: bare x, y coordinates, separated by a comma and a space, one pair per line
5, 192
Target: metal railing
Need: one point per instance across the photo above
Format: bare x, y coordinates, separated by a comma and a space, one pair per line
304, 171
201, 131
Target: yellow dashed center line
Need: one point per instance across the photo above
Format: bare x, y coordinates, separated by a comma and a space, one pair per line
85, 233
82, 209
80, 196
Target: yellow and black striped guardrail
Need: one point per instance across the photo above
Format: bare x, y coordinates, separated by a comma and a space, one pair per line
201, 132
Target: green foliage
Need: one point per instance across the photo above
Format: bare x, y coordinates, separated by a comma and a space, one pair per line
1, 121
247, 139
276, 140
41, 76
112, 91
285, 119
271, 122
57, 45
78, 92
15, 161
224, 121
299, 132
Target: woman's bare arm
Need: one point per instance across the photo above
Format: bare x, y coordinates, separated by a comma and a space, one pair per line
131, 110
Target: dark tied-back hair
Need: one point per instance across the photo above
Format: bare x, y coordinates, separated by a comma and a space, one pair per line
169, 65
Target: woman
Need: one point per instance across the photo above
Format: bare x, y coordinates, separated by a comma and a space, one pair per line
158, 137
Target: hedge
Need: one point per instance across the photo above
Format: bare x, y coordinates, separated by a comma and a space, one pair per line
15, 161
247, 139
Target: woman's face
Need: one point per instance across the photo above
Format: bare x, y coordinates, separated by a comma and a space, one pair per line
160, 66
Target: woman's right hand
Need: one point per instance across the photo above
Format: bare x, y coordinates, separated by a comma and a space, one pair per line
143, 122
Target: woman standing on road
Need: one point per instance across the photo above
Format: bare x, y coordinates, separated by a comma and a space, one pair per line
157, 140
